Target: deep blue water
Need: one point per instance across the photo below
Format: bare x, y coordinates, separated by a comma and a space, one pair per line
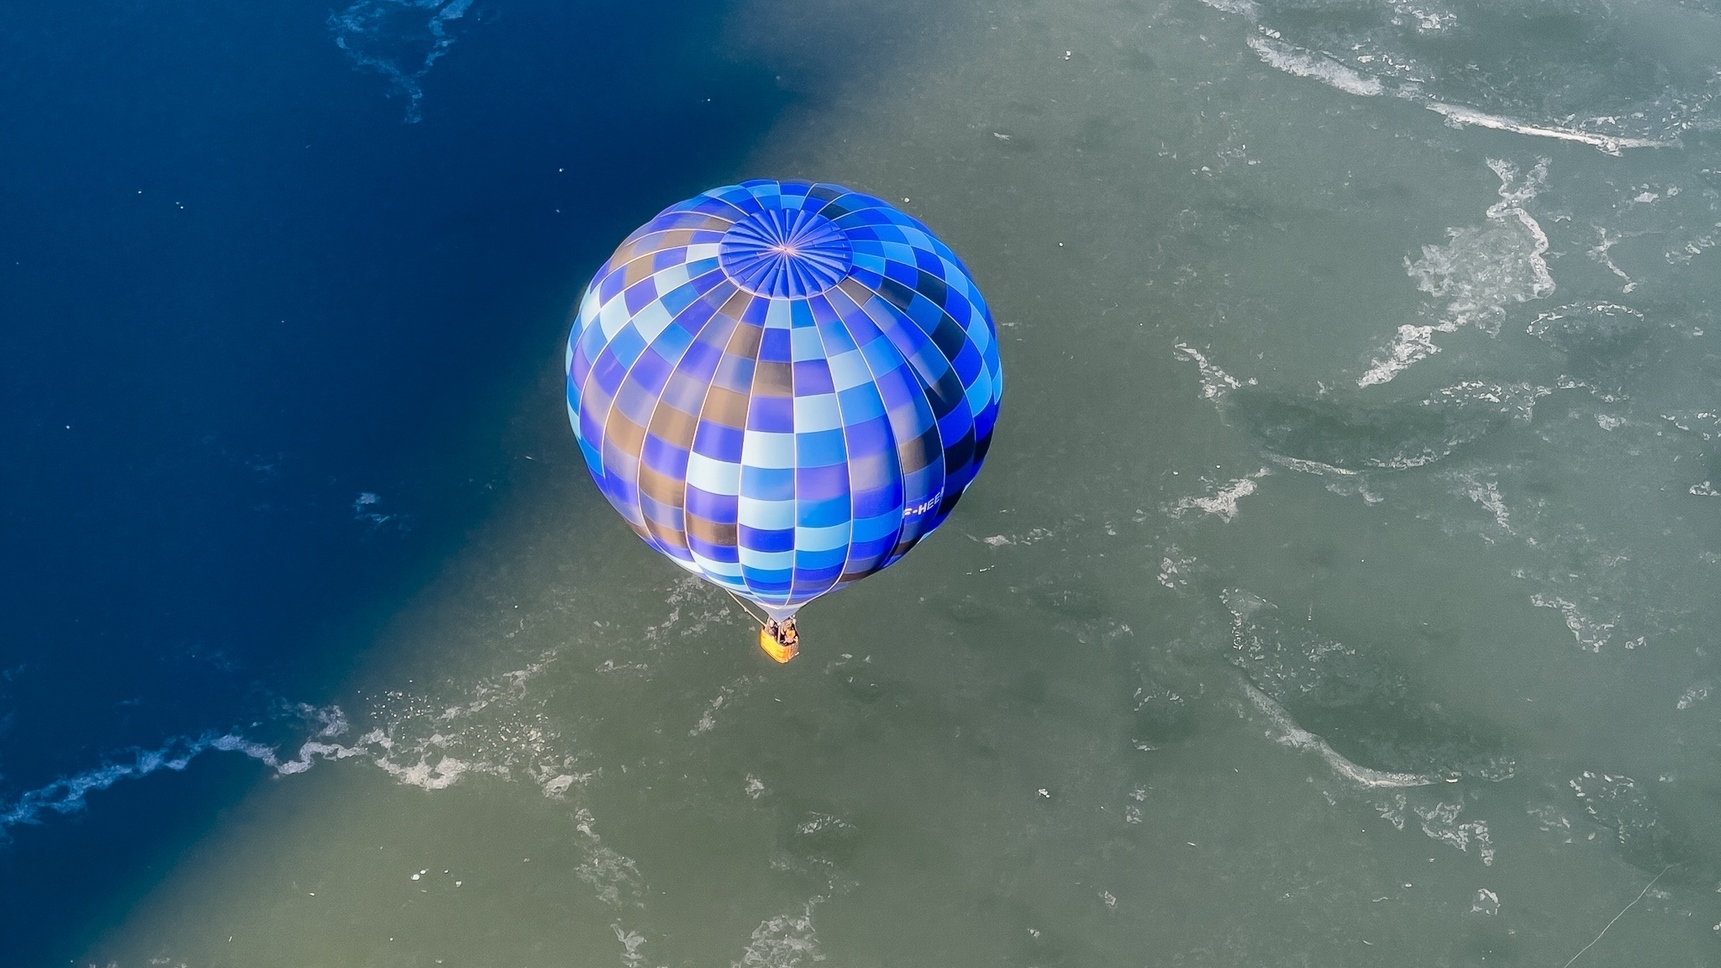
262, 337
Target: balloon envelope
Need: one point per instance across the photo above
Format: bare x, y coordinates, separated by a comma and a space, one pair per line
783, 386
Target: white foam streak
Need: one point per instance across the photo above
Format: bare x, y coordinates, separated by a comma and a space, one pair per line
1294, 736
1223, 500
1413, 345
67, 795
70, 794
1302, 62
1600, 253
1215, 383
423, 744
1612, 144
1314, 467
1511, 205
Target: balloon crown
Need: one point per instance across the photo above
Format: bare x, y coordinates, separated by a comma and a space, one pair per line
785, 253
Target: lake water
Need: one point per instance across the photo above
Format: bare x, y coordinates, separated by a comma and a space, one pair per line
1341, 588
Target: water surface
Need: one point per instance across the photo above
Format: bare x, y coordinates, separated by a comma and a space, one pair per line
1340, 590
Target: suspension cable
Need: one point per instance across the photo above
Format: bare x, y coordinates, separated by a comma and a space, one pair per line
744, 608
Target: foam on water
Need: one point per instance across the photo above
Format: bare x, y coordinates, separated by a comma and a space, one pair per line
1175, 568
411, 739
1612, 144
631, 942
69, 795
1413, 344
1221, 499
1582, 326
706, 607
1215, 382
1246, 8
1621, 804
1477, 273
399, 39
1477, 65
1299, 62
1294, 736
1486, 492
1286, 661
708, 716
616, 882
1599, 581
1704, 424
1439, 822
1029, 537
1694, 695
1591, 634
614, 877
365, 511
785, 941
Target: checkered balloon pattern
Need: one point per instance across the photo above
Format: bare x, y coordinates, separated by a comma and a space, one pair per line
783, 386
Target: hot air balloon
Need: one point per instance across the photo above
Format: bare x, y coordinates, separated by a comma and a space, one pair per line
783, 387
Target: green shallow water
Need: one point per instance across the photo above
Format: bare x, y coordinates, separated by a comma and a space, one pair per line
1341, 588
